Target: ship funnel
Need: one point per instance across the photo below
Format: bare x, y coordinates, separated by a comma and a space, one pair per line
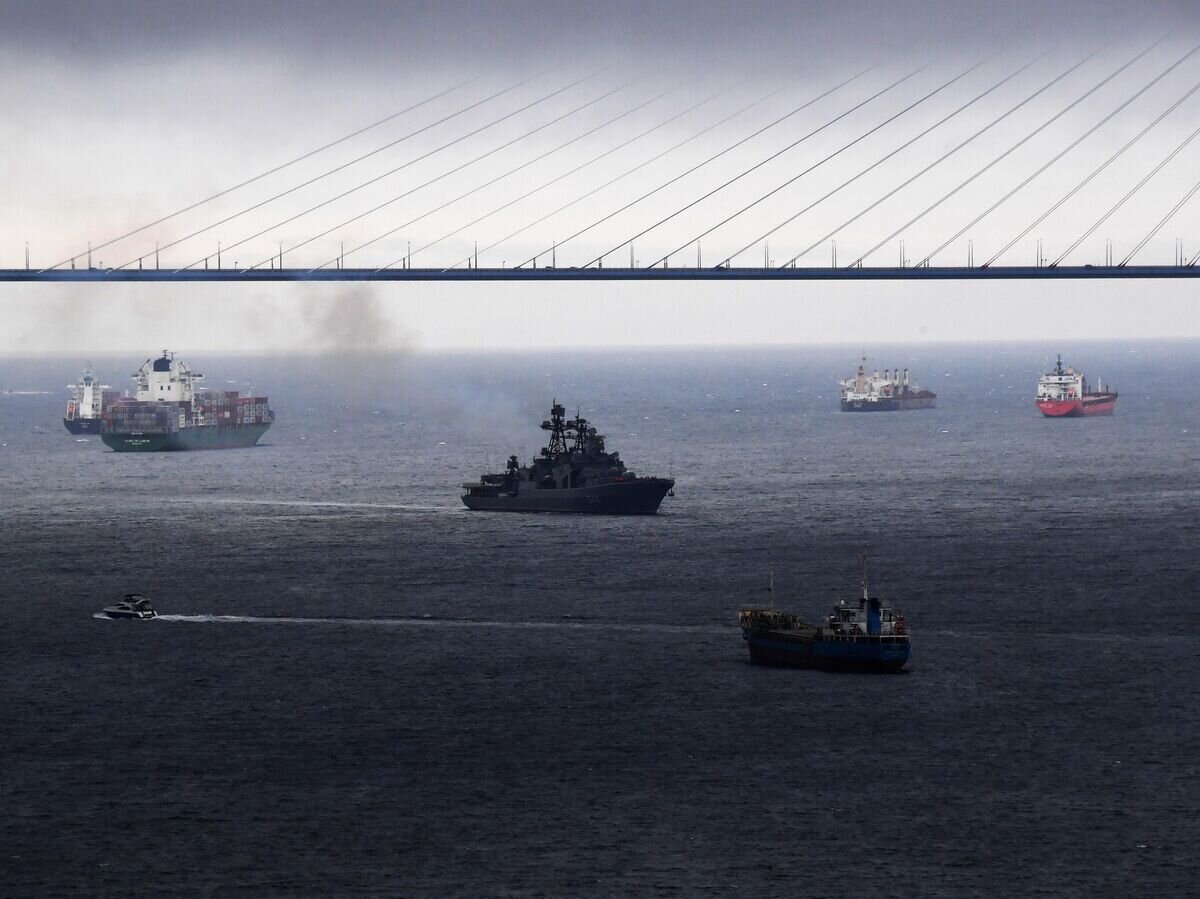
906, 377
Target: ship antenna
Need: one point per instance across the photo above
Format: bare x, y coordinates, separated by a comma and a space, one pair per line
771, 585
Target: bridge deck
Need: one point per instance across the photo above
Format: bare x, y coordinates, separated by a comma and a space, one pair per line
939, 273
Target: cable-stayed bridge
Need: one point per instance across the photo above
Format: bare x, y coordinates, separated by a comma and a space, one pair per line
602, 176
729, 273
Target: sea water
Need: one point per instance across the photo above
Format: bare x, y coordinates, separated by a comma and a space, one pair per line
359, 687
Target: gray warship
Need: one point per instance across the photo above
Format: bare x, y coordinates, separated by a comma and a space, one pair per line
573, 473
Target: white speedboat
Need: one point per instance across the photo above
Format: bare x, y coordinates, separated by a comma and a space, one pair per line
132, 605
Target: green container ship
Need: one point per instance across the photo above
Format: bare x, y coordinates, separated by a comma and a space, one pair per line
169, 412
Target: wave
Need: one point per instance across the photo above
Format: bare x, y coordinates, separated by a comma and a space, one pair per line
450, 622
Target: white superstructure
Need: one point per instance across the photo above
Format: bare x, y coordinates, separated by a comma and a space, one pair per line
875, 386
1062, 384
87, 397
166, 380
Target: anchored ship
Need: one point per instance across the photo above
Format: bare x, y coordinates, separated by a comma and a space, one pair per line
1065, 393
573, 473
889, 392
88, 400
865, 635
170, 412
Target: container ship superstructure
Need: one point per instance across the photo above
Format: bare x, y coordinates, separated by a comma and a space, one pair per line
574, 473
889, 392
89, 398
169, 412
1065, 393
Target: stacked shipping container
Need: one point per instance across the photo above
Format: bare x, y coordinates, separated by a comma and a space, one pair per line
225, 409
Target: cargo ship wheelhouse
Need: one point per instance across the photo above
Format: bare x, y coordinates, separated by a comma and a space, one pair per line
88, 400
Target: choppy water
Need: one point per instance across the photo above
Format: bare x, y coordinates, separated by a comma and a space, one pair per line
360, 688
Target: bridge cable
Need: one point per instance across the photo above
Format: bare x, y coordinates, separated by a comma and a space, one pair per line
1096, 171
458, 168
524, 165
567, 174
884, 158
1075, 143
762, 162
1121, 202
839, 151
996, 121
272, 171
627, 172
1166, 218
1042, 127
700, 165
342, 166
394, 170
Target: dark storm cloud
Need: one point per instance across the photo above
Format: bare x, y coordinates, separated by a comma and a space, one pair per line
701, 32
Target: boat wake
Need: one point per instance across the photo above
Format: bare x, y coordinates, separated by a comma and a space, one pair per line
316, 504
425, 621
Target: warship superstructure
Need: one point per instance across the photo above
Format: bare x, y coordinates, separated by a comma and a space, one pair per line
170, 412
573, 473
88, 400
889, 392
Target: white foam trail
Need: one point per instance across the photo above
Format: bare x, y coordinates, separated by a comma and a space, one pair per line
452, 622
314, 504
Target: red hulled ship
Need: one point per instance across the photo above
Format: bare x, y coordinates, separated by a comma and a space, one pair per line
1065, 393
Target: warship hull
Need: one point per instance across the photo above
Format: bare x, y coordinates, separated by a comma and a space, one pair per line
863, 653
640, 497
194, 438
82, 425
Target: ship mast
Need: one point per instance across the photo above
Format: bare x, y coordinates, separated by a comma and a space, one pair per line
557, 429
862, 558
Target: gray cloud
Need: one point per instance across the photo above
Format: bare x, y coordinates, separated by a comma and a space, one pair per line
403, 34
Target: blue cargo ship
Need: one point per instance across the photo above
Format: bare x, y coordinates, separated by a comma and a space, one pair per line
863, 635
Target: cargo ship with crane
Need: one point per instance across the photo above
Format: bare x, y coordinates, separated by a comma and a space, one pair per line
890, 392
867, 634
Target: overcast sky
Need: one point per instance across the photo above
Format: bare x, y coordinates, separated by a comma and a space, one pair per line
116, 114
